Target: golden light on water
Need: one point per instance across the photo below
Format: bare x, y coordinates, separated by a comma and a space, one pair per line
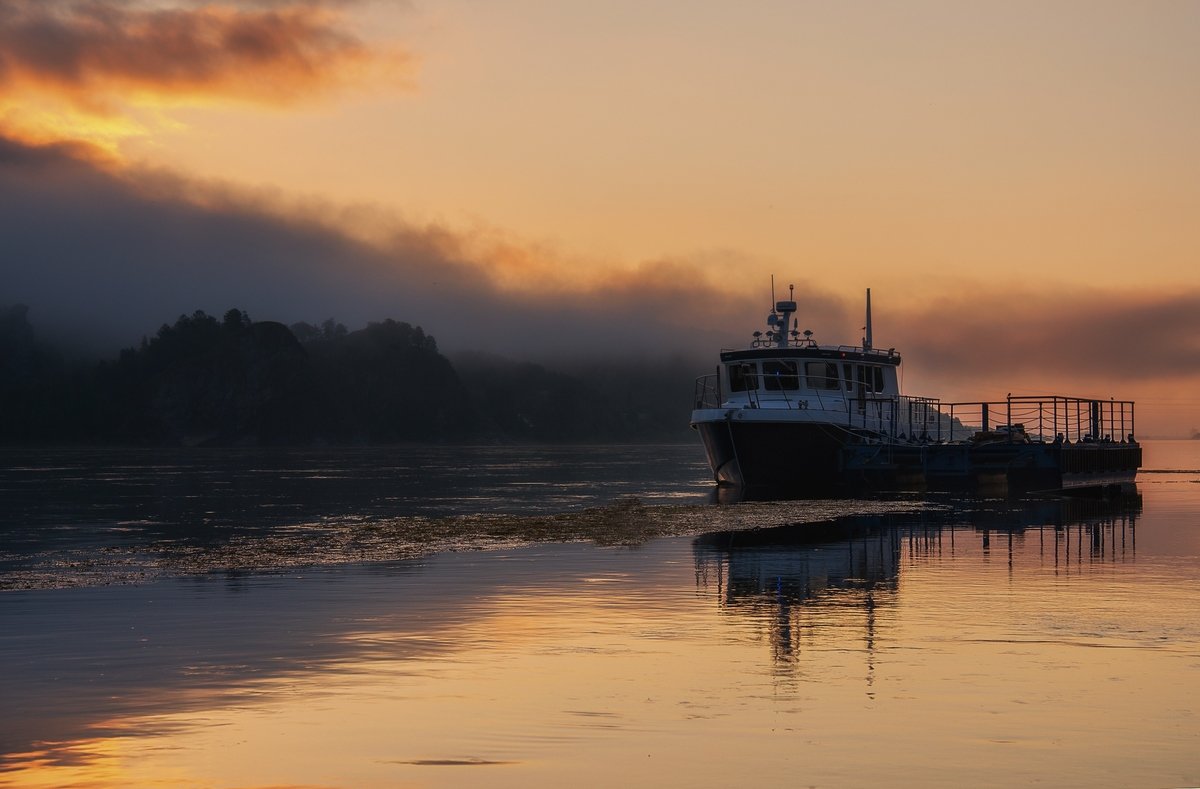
960, 657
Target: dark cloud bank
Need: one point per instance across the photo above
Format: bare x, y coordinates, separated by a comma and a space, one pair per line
100, 258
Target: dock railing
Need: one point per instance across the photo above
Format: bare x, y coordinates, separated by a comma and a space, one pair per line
1041, 418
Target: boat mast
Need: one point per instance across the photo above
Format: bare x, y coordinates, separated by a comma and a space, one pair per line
867, 339
781, 315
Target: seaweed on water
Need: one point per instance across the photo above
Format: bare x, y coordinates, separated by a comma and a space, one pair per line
626, 522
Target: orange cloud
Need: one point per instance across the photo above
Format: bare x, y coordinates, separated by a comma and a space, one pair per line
93, 50
1142, 345
72, 69
1086, 335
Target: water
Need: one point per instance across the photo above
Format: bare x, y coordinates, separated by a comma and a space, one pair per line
532, 617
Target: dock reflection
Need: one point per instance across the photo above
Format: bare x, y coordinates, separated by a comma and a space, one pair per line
1069, 531
804, 577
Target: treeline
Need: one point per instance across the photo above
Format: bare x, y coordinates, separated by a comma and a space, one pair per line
235, 382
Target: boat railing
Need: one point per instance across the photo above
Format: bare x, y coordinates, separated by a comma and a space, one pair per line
1040, 418
707, 392
910, 419
771, 340
896, 418
881, 352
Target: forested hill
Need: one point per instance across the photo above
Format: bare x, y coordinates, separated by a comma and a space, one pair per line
235, 382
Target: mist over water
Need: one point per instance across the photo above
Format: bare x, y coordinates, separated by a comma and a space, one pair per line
533, 616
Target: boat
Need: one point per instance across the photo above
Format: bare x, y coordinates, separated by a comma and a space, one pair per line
794, 417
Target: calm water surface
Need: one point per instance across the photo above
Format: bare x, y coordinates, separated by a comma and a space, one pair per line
536, 616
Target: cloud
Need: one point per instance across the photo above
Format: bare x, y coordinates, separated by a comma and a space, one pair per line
1142, 346
112, 256
74, 68
1088, 334
92, 50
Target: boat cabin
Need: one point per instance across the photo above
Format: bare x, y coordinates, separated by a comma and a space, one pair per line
816, 372
786, 368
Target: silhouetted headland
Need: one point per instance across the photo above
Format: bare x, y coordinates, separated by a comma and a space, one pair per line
204, 381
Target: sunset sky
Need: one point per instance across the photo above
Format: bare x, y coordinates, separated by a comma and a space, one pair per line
1018, 183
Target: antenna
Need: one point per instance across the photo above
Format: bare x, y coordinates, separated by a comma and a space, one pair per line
772, 293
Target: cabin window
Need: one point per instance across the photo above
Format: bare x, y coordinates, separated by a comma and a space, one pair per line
821, 375
870, 378
742, 378
848, 376
780, 375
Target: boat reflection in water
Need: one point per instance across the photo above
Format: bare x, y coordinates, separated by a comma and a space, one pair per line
802, 577
786, 574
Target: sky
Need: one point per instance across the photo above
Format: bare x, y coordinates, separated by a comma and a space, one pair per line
1017, 182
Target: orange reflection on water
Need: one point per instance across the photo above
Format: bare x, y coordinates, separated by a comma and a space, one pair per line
96, 763
952, 657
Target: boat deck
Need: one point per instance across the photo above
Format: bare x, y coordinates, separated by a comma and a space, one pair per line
1060, 443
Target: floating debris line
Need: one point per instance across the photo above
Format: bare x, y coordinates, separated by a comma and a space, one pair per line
332, 540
